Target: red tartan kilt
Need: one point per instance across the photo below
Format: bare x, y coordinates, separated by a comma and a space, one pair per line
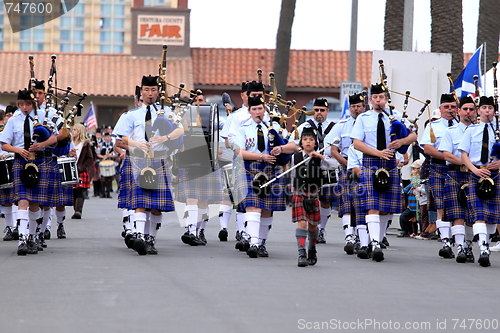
84, 180
300, 214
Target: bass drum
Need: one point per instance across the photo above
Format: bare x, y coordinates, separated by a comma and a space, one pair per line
201, 138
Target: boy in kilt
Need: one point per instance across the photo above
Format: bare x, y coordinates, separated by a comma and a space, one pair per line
150, 178
323, 127
457, 178
307, 181
35, 179
339, 151
484, 199
370, 135
433, 134
251, 145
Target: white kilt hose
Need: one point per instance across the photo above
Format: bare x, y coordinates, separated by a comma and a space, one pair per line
49, 182
390, 201
159, 197
275, 201
487, 210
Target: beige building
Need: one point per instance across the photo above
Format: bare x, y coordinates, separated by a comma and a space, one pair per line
90, 27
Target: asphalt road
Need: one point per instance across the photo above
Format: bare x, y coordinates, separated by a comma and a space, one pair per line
90, 282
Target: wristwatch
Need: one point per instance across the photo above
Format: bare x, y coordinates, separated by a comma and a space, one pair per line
168, 137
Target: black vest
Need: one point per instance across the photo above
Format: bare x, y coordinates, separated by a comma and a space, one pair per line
308, 177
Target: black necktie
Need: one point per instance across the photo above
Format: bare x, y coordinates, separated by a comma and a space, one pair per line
148, 123
27, 133
261, 145
381, 144
320, 135
450, 123
484, 148
320, 129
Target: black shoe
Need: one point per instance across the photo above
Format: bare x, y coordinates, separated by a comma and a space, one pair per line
130, 239
77, 216
312, 259
46, 234
191, 239
461, 255
243, 245
22, 249
377, 253
349, 245
385, 241
38, 243
364, 252
253, 251
446, 252
42, 240
140, 245
321, 236
8, 234
237, 236
150, 245
484, 259
223, 235
468, 252
32, 247
263, 251
201, 236
15, 233
302, 260
60, 231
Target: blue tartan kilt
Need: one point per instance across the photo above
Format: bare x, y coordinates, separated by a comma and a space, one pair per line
45, 193
390, 201
6, 196
356, 204
66, 195
245, 194
159, 198
124, 182
200, 183
487, 210
453, 210
437, 176
344, 188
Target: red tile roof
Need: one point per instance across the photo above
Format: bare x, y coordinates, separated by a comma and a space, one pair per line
308, 68
95, 74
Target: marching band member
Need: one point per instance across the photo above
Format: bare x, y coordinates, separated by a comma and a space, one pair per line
307, 181
339, 151
80, 148
7, 195
251, 145
484, 190
379, 189
323, 126
107, 152
438, 168
457, 177
150, 181
35, 180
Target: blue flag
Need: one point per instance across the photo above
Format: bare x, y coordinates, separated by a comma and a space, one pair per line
345, 108
464, 84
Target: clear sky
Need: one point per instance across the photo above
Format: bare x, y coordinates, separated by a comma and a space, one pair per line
318, 24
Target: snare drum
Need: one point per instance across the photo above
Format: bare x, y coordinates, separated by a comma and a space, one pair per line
107, 168
227, 170
68, 170
6, 172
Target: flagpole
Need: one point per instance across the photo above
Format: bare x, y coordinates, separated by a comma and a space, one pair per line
484, 66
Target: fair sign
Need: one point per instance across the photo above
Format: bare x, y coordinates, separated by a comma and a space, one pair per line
160, 30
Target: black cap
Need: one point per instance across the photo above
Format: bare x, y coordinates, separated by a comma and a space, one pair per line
137, 92
308, 131
149, 81
465, 100
254, 101
10, 109
486, 101
255, 86
447, 98
98, 130
107, 134
244, 86
321, 102
377, 88
40, 85
25, 95
356, 98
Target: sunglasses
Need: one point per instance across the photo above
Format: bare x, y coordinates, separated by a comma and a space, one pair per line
469, 109
319, 110
449, 106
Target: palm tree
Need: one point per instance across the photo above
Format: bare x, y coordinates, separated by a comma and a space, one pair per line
283, 40
447, 37
393, 25
488, 29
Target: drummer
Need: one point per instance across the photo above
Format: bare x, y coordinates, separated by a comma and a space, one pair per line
107, 154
